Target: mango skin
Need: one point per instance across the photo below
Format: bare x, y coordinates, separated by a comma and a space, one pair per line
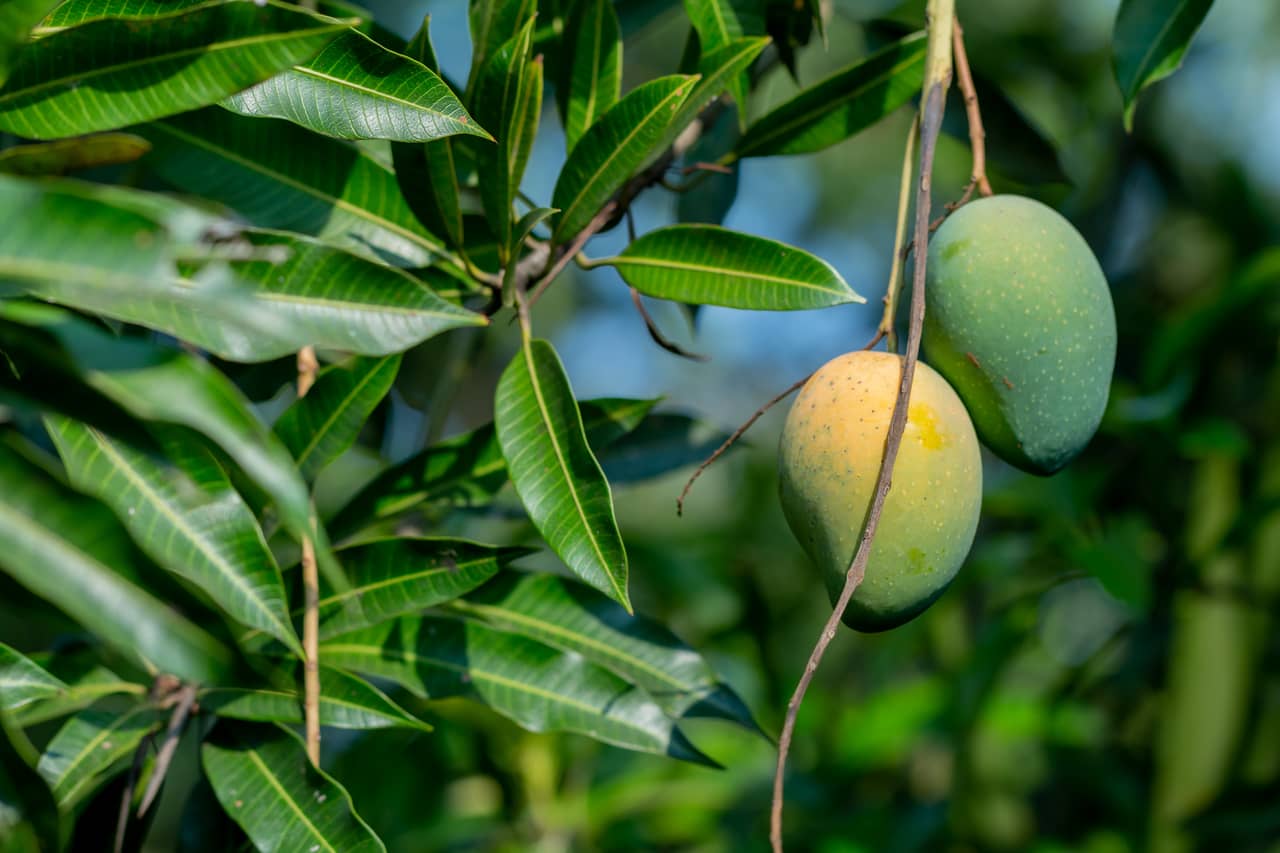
828, 459
1019, 320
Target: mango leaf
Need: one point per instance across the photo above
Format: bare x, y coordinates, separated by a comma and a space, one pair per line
468, 469
321, 426
346, 702
262, 778
663, 443
30, 823
635, 129
718, 68
279, 175
190, 520
110, 73
841, 105
23, 681
70, 551
71, 13
88, 745
86, 682
710, 265
67, 155
17, 18
1026, 156
719, 22
554, 471
508, 98
537, 686
357, 89
1150, 39
573, 618
493, 23
710, 198
593, 73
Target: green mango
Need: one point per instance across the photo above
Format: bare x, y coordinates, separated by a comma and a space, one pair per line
828, 461
1019, 320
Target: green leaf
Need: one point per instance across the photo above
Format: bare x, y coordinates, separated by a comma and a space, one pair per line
508, 98
190, 520
17, 18
718, 68
23, 681
468, 469
1150, 39
392, 577
719, 22
575, 619
110, 73
357, 89
613, 149
592, 41
70, 13
67, 155
493, 23
539, 687
86, 682
840, 106
88, 745
710, 265
554, 471
30, 822
346, 702
710, 198
664, 443
279, 175
68, 550
321, 426
262, 778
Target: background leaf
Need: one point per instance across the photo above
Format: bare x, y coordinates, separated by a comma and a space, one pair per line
1150, 39
710, 265
17, 18
30, 824
68, 155
554, 471
110, 73
592, 78
492, 24
23, 681
261, 775
346, 702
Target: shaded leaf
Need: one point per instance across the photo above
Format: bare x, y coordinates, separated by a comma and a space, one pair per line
537, 686
23, 681
70, 551
346, 702
110, 73
710, 265
718, 68
841, 105
357, 89
321, 426
573, 618
663, 443
1025, 155
191, 521
592, 78
712, 193
17, 18
492, 24
30, 813
719, 22
88, 745
262, 778
1150, 39
67, 155
554, 470
86, 682
613, 149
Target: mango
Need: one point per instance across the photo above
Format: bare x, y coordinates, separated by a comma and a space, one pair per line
1019, 320
828, 460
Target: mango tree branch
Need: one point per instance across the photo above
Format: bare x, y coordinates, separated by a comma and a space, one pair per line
308, 367
899, 239
941, 16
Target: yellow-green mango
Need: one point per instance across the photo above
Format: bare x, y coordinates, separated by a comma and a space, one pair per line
1019, 320
828, 460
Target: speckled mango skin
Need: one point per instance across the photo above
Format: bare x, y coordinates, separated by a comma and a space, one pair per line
828, 459
1020, 322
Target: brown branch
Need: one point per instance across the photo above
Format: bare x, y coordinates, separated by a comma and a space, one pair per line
977, 135
183, 704
656, 334
889, 318
307, 369
934, 105
564, 254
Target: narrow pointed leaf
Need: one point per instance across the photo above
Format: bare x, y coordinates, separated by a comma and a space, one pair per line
262, 778
68, 155
1151, 37
593, 73
840, 106
68, 550
573, 618
88, 745
83, 688
346, 702
23, 681
322, 425
665, 442
110, 73
718, 69
279, 175
554, 470
357, 89
710, 265
71, 13
492, 24
539, 687
718, 22
191, 522
468, 470
632, 131
30, 823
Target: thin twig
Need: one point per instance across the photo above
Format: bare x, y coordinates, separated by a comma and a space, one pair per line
888, 325
565, 254
656, 334
938, 73
977, 135
186, 700
307, 369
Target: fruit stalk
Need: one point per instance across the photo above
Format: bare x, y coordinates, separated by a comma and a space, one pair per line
940, 16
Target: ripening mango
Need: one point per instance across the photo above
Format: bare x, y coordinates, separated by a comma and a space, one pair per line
828, 460
1019, 320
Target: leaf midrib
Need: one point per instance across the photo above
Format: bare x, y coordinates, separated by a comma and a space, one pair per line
624, 260
336, 411
254, 757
